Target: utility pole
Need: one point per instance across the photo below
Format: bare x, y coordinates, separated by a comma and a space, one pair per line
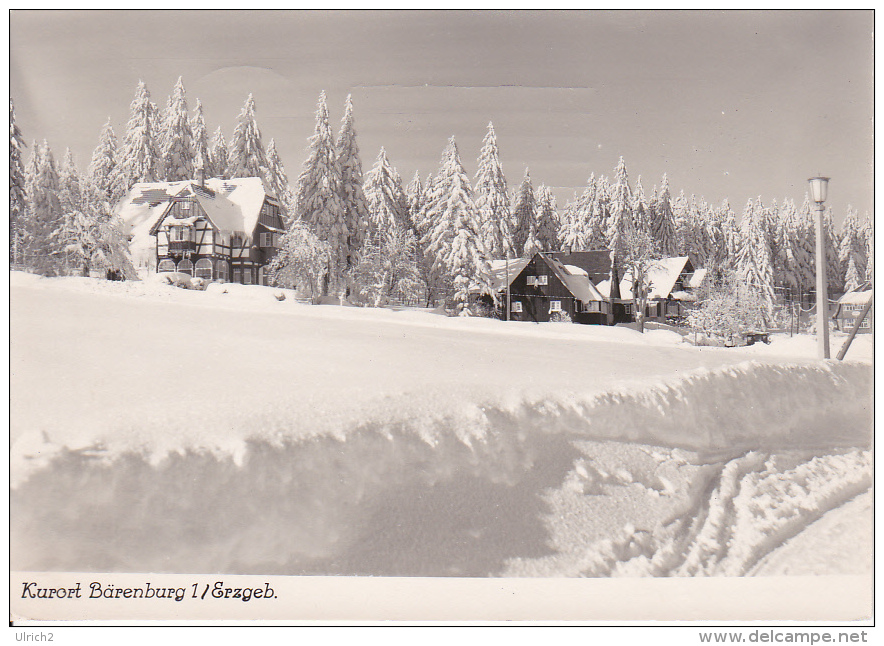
818, 190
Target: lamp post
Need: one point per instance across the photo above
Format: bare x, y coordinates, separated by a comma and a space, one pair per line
818, 192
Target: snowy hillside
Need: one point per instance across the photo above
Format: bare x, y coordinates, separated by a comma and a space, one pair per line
169, 430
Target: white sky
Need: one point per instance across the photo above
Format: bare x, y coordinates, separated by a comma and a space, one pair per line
729, 104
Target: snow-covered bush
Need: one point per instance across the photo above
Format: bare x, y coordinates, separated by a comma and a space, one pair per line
560, 317
174, 278
387, 269
302, 262
728, 307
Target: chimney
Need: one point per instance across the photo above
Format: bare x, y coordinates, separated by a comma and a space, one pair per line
201, 176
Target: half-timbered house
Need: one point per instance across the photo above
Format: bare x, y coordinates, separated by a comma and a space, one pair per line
218, 229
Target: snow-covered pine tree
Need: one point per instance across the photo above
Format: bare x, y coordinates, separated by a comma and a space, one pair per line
547, 219
382, 196
804, 248
46, 218
754, 260
716, 252
104, 170
596, 234
177, 148
69, 199
436, 239
732, 235
352, 196
414, 194
663, 227
492, 199
94, 237
788, 247
140, 157
852, 251
680, 215
17, 195
570, 227
302, 261
640, 215
834, 275
869, 232
524, 219
467, 260
620, 214
246, 154
279, 181
201, 157
319, 199
219, 155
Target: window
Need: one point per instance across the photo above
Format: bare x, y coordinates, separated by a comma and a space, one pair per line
236, 240
555, 306
185, 206
222, 268
276, 239
627, 308
247, 276
532, 280
542, 280
237, 274
269, 239
516, 306
181, 234
593, 306
166, 265
204, 268
185, 267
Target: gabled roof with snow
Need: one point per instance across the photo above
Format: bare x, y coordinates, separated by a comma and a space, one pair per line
230, 204
576, 283
499, 271
596, 264
662, 278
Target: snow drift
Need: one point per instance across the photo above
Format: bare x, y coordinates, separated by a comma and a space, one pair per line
481, 488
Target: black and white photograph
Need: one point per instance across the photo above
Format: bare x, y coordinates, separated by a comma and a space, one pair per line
430, 311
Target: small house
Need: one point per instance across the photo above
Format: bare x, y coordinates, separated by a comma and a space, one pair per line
673, 286
218, 229
850, 308
542, 288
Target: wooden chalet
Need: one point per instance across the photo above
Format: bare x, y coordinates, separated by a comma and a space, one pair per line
219, 229
543, 287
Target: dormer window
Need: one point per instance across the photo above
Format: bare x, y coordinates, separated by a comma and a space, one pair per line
185, 206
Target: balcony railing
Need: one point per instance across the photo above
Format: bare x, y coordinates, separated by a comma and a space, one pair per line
177, 246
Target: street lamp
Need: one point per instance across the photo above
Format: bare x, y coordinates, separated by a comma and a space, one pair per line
818, 192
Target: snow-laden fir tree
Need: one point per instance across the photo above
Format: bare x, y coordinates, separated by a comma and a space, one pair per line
869, 232
69, 202
663, 226
177, 146
716, 236
388, 269
524, 219
414, 195
246, 156
467, 260
640, 215
352, 196
104, 170
44, 253
94, 239
803, 248
680, 208
597, 231
547, 219
852, 251
733, 241
492, 199
219, 155
789, 248
571, 226
382, 194
139, 158
302, 261
754, 261
17, 195
620, 213
834, 275
319, 201
201, 157
437, 231
279, 181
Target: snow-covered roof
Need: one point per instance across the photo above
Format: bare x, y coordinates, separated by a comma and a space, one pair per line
856, 297
695, 280
661, 277
499, 271
577, 283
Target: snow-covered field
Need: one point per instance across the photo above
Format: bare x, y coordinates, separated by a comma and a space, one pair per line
166, 430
